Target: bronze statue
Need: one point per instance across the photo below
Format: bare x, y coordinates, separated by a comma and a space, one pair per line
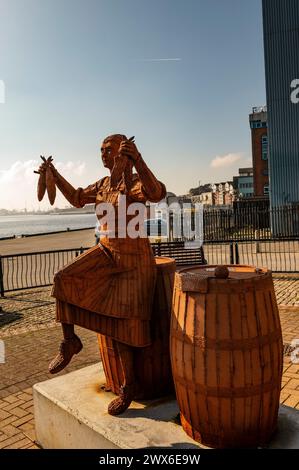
109, 289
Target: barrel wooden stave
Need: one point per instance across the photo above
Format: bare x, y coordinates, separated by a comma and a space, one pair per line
152, 364
226, 352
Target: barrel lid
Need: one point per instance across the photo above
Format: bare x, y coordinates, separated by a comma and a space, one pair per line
196, 278
165, 265
164, 260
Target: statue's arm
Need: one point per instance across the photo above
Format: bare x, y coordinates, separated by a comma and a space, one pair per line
69, 192
76, 197
153, 188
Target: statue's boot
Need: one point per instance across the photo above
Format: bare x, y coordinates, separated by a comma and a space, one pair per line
68, 347
123, 401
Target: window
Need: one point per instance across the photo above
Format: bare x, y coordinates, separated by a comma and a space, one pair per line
265, 147
266, 189
258, 124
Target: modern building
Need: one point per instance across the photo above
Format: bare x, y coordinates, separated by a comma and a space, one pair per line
259, 143
243, 183
281, 48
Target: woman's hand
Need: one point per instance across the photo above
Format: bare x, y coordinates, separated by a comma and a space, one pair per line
128, 148
47, 163
46, 180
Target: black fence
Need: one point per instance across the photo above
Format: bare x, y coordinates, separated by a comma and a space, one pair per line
281, 256
29, 270
251, 223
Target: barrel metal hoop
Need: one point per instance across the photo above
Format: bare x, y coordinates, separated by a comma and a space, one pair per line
191, 283
196, 282
228, 392
245, 344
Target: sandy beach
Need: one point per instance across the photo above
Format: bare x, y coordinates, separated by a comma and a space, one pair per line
58, 241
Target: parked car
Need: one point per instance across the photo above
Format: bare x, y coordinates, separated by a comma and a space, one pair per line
155, 228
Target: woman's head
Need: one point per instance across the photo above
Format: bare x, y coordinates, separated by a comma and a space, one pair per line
109, 149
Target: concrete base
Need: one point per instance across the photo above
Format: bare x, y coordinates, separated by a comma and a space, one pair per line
71, 413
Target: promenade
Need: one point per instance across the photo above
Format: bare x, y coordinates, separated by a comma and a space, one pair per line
55, 241
31, 337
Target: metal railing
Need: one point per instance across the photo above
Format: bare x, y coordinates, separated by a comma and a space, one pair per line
29, 270
245, 222
281, 256
259, 109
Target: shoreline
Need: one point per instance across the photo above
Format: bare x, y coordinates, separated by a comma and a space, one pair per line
26, 235
68, 239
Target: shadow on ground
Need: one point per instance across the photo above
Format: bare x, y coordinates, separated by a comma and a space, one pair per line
9, 317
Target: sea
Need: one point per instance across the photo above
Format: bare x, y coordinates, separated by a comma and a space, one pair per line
17, 225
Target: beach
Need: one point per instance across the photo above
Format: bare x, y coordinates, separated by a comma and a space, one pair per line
57, 241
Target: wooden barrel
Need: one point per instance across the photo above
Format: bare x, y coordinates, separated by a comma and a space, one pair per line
151, 364
226, 355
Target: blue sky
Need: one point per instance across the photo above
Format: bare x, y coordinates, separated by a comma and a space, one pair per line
76, 71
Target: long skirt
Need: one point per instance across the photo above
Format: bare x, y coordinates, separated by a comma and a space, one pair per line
109, 289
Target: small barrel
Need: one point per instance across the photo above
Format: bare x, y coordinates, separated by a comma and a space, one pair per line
226, 354
151, 364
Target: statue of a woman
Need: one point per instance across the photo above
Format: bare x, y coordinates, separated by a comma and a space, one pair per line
109, 288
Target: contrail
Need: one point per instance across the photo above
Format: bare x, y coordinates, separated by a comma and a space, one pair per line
175, 59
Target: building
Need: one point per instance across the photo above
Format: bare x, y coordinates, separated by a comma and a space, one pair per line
259, 142
217, 194
281, 48
243, 183
206, 198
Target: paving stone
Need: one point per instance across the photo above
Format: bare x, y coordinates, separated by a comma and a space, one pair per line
32, 337
13, 405
3, 415
292, 384
10, 430
19, 444
23, 420
19, 412
10, 441
30, 433
27, 405
7, 421
292, 401
11, 399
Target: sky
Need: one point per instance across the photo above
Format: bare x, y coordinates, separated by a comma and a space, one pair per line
179, 75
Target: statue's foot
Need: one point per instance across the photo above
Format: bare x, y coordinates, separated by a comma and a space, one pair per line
68, 347
121, 403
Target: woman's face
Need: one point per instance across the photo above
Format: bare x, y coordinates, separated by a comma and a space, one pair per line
109, 150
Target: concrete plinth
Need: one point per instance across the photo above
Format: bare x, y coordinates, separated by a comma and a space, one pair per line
71, 413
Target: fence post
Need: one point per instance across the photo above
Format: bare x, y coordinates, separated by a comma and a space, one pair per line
237, 253
231, 249
81, 250
1, 278
257, 241
159, 249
